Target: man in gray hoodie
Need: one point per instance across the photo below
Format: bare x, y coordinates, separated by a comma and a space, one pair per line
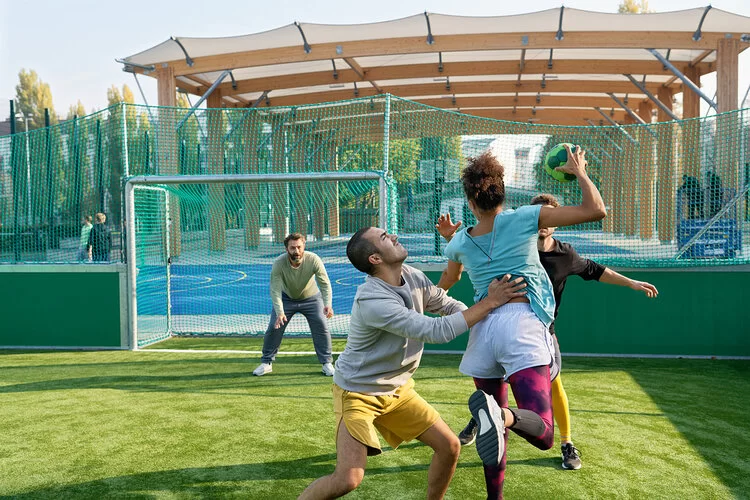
373, 386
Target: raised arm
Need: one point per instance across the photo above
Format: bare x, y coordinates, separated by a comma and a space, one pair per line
592, 205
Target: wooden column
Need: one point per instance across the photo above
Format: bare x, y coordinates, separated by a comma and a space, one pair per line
667, 169
317, 190
691, 141
333, 192
279, 196
168, 156
251, 129
629, 197
217, 221
728, 141
646, 173
300, 206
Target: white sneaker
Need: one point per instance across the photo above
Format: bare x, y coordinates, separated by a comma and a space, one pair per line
262, 369
328, 369
491, 437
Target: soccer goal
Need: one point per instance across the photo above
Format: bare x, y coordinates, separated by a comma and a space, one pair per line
200, 258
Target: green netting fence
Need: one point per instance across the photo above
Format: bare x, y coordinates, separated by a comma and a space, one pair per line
676, 193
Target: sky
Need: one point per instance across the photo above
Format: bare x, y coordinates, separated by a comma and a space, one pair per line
73, 44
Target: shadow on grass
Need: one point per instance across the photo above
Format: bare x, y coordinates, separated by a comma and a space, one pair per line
220, 481
706, 401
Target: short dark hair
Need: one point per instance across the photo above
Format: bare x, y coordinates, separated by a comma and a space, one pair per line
359, 249
483, 181
545, 199
294, 236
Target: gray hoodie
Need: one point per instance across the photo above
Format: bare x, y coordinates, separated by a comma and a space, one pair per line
388, 330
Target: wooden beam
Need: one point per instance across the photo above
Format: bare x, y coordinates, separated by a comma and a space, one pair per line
695, 62
545, 115
430, 70
462, 102
449, 43
493, 87
356, 67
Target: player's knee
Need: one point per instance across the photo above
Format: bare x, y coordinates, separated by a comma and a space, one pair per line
450, 447
349, 480
454, 447
548, 440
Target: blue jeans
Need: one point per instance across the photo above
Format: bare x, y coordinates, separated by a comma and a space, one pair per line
312, 309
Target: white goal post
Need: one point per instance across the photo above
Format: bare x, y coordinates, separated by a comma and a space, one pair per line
162, 180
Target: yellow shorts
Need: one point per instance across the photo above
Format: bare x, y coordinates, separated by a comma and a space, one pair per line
399, 417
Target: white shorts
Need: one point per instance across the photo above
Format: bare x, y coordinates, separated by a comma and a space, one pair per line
510, 339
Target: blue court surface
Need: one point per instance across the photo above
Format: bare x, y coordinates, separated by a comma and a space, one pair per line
225, 289
228, 289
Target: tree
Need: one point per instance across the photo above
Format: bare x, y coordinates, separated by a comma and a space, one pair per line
115, 132
76, 110
33, 96
634, 7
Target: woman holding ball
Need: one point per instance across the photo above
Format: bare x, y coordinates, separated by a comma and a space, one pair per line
513, 343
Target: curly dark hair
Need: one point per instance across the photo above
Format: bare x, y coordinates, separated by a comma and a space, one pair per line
545, 199
483, 181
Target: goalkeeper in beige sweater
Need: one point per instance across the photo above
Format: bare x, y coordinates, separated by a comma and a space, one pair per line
294, 290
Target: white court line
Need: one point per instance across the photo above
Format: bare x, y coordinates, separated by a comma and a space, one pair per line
437, 351
222, 351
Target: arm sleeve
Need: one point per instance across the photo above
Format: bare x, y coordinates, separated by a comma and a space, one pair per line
276, 287
392, 316
585, 268
324, 283
437, 301
451, 247
529, 219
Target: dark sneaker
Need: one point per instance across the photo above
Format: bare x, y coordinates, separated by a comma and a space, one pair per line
469, 434
570, 457
491, 434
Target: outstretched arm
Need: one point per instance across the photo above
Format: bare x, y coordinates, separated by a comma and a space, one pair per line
614, 278
451, 275
592, 206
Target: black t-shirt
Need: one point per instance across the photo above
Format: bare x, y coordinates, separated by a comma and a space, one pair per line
564, 261
100, 241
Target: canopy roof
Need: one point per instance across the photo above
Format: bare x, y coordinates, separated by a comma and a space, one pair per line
512, 67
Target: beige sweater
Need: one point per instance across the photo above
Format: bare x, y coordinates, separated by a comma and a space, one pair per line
299, 283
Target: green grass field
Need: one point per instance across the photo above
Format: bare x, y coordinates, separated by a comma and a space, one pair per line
198, 425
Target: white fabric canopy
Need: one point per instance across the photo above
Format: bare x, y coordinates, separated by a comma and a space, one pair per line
716, 21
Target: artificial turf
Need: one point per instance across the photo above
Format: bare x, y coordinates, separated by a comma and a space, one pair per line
199, 425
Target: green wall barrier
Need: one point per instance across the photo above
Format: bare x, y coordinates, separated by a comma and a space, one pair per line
57, 307
696, 314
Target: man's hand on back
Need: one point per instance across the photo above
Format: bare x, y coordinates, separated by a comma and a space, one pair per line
503, 290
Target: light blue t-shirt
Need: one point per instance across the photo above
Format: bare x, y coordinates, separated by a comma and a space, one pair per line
509, 249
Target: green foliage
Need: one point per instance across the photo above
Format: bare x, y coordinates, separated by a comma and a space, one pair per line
33, 96
634, 7
76, 110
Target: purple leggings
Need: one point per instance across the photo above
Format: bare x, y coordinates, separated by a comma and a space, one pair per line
531, 388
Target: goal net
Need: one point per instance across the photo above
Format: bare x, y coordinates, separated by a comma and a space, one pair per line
204, 247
